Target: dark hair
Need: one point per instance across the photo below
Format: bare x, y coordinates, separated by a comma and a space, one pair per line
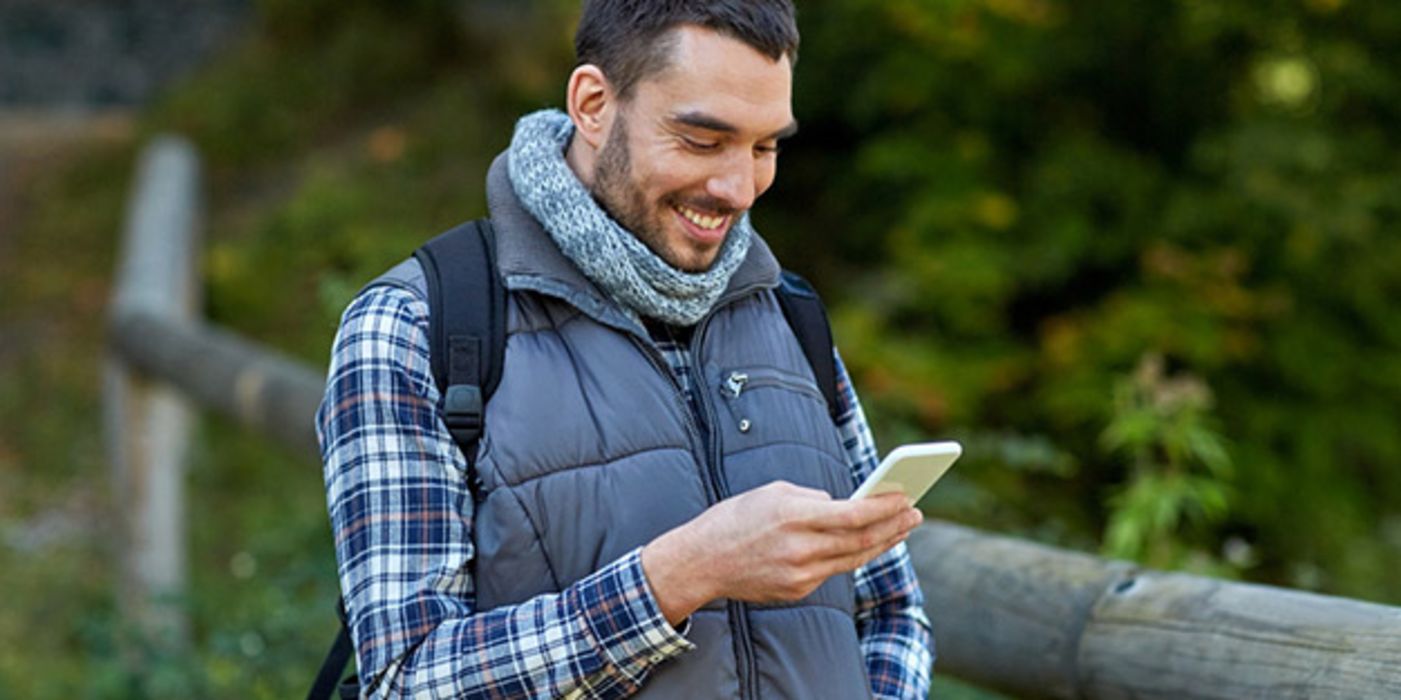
629, 39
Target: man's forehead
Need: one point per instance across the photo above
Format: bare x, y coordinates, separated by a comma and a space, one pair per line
715, 81
694, 51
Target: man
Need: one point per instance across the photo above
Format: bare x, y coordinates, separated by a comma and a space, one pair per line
658, 501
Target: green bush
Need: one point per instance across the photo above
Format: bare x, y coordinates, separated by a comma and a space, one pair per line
1029, 197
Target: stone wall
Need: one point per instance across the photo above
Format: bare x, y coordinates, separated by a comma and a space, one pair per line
89, 55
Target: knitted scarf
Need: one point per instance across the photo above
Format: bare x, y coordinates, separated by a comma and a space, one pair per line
608, 254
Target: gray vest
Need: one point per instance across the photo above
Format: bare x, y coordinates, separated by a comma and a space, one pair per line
590, 450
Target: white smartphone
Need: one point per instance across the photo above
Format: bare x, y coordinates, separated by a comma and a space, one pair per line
910, 469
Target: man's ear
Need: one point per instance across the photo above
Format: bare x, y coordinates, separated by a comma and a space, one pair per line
591, 103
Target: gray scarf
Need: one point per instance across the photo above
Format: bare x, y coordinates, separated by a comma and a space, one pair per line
613, 258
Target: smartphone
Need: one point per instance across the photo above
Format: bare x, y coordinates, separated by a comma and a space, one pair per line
910, 469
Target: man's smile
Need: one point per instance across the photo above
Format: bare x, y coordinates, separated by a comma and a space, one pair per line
703, 221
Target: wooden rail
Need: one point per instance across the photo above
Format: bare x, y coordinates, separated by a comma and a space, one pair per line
1037, 621
1027, 619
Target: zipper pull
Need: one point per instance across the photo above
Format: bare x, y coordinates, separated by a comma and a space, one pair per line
735, 383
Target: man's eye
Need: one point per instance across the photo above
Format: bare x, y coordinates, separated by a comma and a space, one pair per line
771, 150
700, 145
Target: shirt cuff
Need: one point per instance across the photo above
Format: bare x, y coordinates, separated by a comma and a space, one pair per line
622, 614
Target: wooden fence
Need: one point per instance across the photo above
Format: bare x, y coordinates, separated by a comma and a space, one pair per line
1023, 618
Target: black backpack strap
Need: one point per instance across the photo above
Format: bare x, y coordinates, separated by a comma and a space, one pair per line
467, 325
336, 659
808, 319
467, 340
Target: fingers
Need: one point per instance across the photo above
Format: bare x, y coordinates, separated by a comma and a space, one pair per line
876, 537
817, 509
859, 514
854, 561
790, 556
817, 572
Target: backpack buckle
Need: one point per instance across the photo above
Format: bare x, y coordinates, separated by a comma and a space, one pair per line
462, 408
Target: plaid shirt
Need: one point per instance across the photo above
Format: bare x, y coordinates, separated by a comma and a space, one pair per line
401, 512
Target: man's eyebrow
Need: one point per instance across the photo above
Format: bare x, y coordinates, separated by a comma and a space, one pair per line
786, 131
701, 120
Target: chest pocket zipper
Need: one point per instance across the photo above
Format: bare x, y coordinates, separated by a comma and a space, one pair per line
737, 382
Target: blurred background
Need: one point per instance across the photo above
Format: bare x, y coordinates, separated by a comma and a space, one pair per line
1143, 258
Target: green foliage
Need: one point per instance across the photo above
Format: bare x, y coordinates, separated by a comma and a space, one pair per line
1178, 467
1033, 195
309, 73
350, 212
54, 276
264, 597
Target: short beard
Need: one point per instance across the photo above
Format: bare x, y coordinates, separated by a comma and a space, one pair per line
614, 190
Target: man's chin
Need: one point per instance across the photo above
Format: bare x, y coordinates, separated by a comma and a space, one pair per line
690, 259
697, 258
692, 264
680, 251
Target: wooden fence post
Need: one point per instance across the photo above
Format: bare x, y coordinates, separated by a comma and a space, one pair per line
1040, 622
147, 423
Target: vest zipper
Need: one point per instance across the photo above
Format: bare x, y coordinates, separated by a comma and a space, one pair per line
738, 611
703, 410
698, 440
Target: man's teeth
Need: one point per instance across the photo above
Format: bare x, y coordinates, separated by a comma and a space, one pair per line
705, 222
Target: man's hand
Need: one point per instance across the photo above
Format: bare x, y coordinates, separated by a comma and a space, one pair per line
775, 543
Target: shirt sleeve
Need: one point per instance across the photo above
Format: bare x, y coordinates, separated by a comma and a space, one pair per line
896, 637
401, 514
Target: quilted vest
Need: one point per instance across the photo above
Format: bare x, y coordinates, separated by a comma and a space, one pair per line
590, 449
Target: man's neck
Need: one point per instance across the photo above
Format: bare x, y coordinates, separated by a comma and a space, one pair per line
581, 159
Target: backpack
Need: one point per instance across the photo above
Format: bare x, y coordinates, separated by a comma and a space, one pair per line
466, 347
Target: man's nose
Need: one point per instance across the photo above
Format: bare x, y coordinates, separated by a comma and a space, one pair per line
735, 185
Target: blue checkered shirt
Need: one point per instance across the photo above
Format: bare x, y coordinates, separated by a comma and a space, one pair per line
401, 513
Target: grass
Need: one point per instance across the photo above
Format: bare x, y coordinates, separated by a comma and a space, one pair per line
53, 491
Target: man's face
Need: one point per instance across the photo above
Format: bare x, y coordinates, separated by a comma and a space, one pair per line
695, 145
